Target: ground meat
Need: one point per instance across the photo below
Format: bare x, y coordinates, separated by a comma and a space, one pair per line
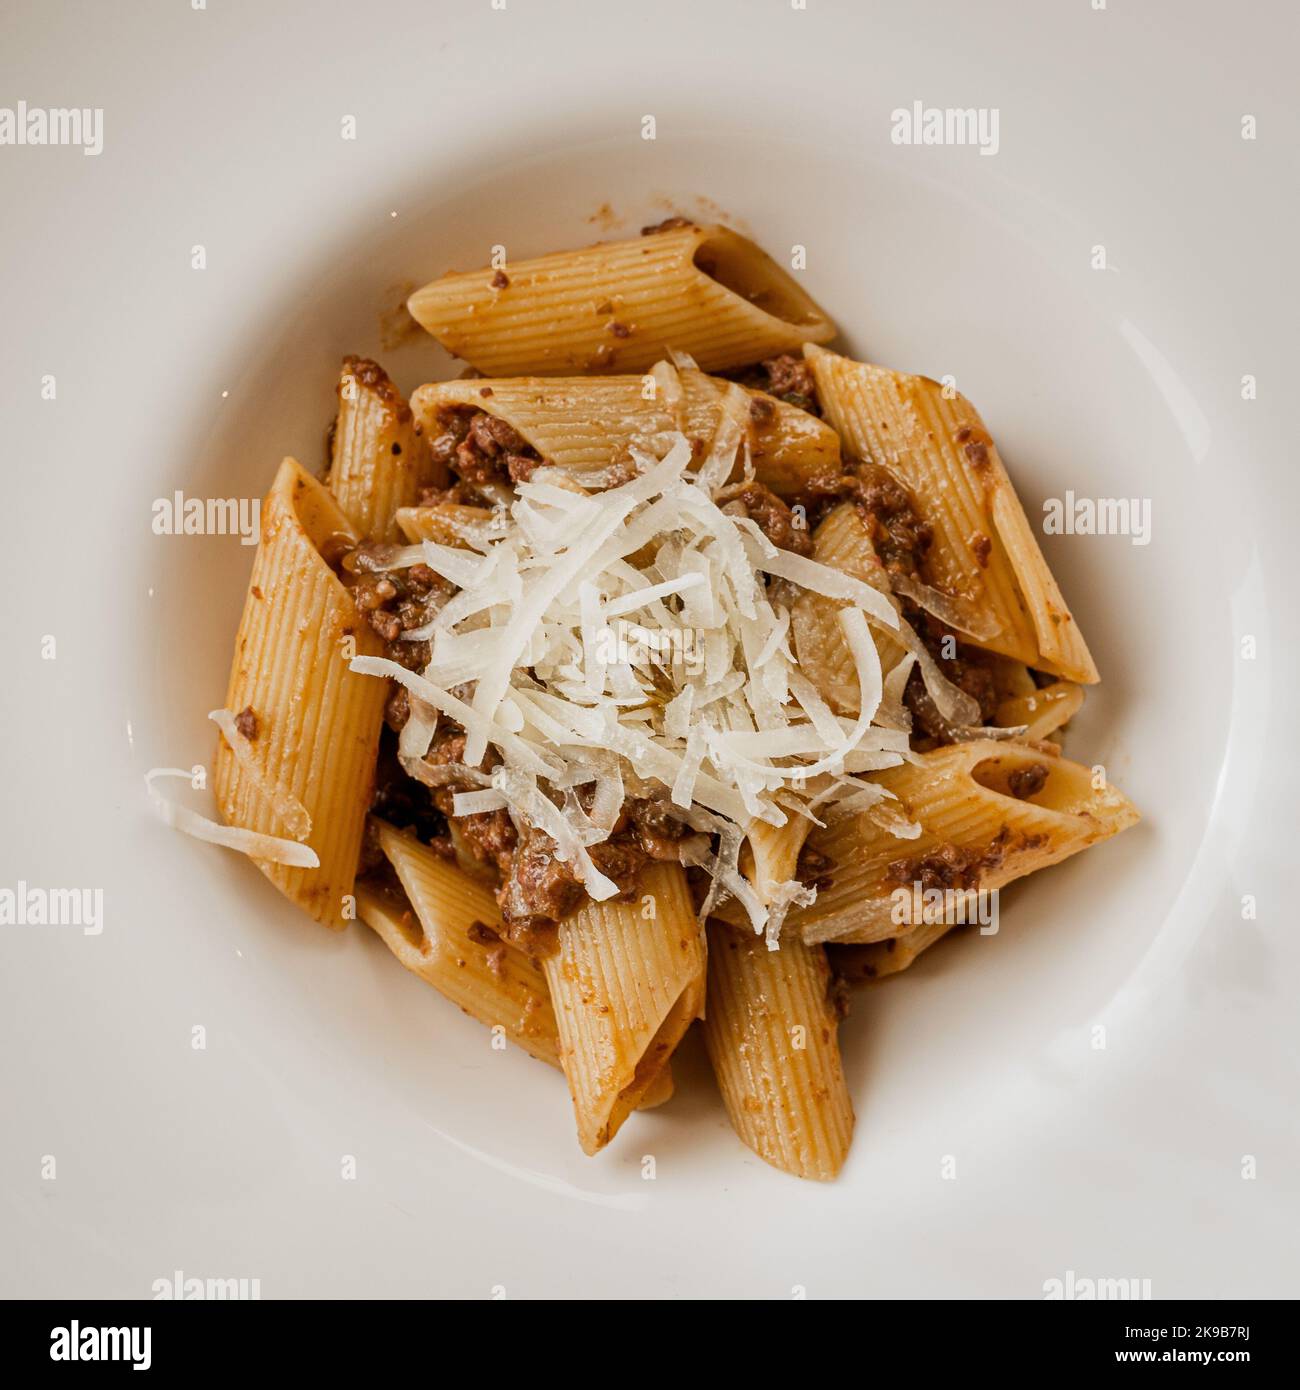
1027, 781
950, 866
657, 827
968, 672
537, 886
619, 859
537, 889
813, 869
484, 451
968, 669
246, 722
448, 747
790, 379
392, 602
821, 494
489, 836
977, 454
762, 412
404, 802
483, 934
453, 429
397, 710
900, 536
944, 866
772, 516
371, 859
500, 280
669, 224
981, 547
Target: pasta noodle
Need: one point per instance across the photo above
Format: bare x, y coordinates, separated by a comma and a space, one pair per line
770, 1031
452, 945
378, 461
841, 541
445, 523
963, 798
1044, 711
984, 553
621, 306
876, 960
626, 982
317, 723
771, 855
440, 941
588, 425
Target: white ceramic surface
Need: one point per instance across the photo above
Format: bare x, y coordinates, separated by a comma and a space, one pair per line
475, 126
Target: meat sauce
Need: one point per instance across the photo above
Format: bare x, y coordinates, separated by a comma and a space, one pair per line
534, 889
958, 867
787, 377
486, 454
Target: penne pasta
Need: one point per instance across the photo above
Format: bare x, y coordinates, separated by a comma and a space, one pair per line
640, 748
659, 1091
444, 523
770, 856
491, 981
621, 306
453, 944
379, 460
876, 960
626, 983
771, 1032
1043, 711
843, 542
981, 827
588, 425
316, 723
983, 554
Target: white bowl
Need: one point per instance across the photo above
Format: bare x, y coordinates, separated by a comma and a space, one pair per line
484, 127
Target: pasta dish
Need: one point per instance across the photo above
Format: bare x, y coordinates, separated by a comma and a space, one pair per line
665, 667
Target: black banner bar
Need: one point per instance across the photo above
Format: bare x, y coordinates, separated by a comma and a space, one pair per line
46, 1338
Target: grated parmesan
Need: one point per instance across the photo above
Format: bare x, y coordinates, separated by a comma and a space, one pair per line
622, 640
250, 842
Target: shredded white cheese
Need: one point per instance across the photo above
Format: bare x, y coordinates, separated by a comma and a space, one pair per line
249, 842
622, 641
